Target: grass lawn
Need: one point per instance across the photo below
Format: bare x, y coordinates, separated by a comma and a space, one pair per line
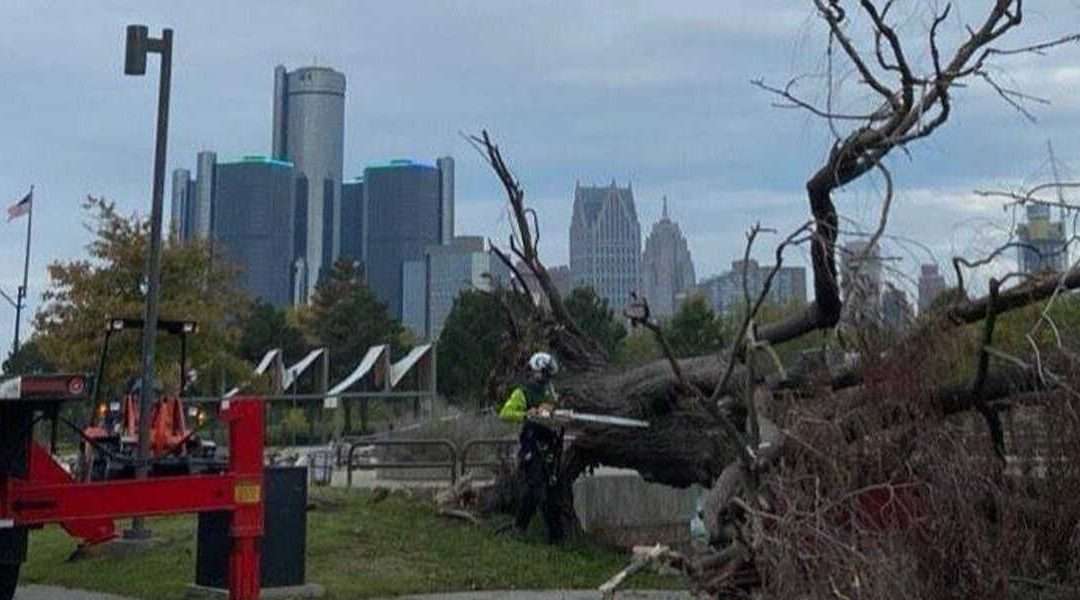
356, 549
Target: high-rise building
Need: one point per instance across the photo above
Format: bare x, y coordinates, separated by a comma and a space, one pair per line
896, 312
201, 212
183, 197
309, 131
404, 203
724, 292
446, 198
666, 267
254, 214
193, 199
931, 285
432, 284
1044, 247
560, 276
605, 242
352, 219
860, 279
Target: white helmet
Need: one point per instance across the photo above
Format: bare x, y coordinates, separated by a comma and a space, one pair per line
542, 362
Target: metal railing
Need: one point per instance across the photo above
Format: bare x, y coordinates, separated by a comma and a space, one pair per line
452, 464
492, 442
458, 463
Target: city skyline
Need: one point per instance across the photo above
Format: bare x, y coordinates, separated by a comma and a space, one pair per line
582, 105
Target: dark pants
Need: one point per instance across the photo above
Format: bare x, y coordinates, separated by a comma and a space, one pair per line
538, 463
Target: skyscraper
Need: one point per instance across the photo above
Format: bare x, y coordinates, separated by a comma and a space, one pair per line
352, 219
666, 267
1044, 246
201, 212
254, 215
309, 131
605, 242
404, 203
896, 311
446, 197
183, 196
860, 279
931, 284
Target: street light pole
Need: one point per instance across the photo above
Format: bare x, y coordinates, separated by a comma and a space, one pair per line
139, 44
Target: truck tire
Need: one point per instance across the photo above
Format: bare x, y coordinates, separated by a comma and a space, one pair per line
9, 579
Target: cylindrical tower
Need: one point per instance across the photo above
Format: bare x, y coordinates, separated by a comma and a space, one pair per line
309, 131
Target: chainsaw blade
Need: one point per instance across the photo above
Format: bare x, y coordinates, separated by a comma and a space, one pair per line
569, 415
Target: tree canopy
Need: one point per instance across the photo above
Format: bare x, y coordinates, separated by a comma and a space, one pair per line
695, 329
468, 344
346, 318
83, 294
595, 318
267, 327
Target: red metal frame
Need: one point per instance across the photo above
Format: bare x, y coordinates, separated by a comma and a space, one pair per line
43, 497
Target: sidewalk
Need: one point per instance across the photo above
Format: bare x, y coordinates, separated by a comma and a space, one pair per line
48, 592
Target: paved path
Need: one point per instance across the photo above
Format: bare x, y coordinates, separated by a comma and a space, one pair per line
48, 592
553, 595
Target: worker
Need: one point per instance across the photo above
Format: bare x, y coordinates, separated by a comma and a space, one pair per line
540, 446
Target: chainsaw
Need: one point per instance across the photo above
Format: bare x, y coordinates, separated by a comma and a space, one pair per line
563, 416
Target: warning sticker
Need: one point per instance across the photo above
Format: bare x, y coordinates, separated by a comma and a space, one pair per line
247, 493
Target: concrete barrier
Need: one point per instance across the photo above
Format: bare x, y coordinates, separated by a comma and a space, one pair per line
621, 508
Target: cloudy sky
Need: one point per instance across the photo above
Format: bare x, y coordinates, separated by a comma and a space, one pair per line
657, 94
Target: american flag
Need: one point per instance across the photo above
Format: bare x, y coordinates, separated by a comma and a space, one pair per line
21, 207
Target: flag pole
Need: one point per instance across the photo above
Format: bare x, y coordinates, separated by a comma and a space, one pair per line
21, 295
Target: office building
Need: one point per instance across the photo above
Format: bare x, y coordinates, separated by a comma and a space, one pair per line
667, 271
860, 280
560, 276
931, 285
446, 198
896, 312
605, 242
254, 219
183, 197
309, 131
352, 219
432, 284
725, 295
404, 205
192, 208
1044, 248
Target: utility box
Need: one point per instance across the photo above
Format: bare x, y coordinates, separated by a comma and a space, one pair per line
284, 542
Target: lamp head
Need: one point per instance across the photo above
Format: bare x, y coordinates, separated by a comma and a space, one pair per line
136, 49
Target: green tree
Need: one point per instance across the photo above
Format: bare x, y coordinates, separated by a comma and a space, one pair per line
268, 327
695, 329
28, 359
638, 348
347, 319
468, 344
595, 318
84, 293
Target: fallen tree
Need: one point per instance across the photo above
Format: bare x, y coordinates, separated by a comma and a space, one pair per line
789, 461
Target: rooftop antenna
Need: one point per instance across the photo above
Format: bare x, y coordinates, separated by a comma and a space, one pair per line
665, 214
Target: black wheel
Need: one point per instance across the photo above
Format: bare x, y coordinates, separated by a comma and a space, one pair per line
9, 579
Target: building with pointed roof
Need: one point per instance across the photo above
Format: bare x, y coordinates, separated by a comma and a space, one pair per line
666, 267
605, 242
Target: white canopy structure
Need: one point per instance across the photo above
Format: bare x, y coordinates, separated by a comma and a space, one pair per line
419, 357
294, 372
273, 356
376, 362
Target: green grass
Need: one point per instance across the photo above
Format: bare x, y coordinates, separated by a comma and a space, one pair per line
356, 549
